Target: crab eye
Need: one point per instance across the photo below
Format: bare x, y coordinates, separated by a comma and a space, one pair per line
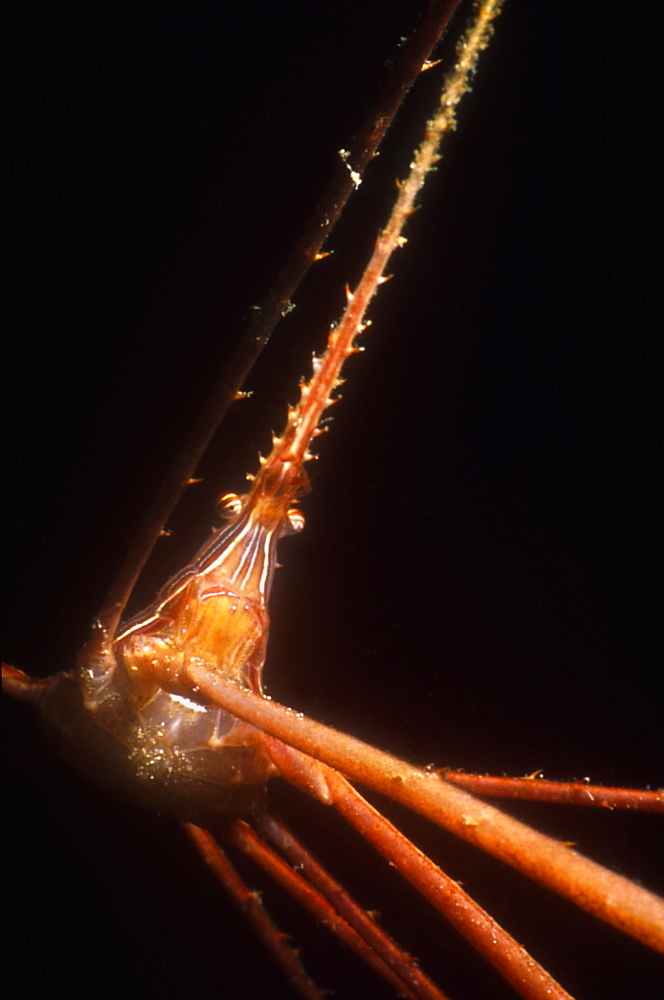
229, 505
294, 523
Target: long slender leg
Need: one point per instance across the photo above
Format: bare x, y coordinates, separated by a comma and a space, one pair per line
242, 836
571, 792
274, 830
607, 895
250, 904
510, 959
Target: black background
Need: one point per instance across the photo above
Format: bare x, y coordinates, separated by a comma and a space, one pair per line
474, 587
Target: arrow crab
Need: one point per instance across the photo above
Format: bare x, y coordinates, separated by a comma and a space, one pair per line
492, 416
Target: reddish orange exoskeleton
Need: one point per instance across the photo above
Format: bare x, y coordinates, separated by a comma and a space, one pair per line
403, 459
